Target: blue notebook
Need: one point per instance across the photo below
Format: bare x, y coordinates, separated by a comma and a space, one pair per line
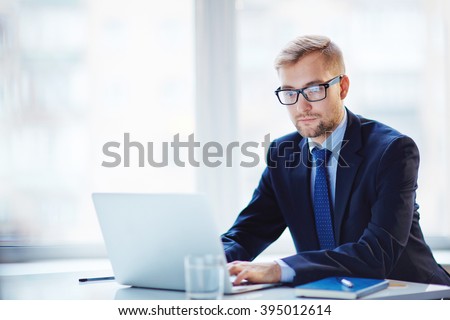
341, 288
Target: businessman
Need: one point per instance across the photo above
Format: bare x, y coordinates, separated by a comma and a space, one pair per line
345, 186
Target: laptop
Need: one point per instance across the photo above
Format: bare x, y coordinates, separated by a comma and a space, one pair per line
147, 237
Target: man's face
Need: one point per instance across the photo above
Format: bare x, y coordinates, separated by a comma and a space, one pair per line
314, 120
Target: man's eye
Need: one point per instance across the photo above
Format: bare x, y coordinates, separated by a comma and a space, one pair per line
291, 93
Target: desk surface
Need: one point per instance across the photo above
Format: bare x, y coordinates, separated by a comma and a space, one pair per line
54, 285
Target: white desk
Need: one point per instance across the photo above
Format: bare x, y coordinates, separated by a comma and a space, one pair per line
34, 281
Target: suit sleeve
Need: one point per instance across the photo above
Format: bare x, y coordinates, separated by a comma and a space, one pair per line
377, 251
258, 225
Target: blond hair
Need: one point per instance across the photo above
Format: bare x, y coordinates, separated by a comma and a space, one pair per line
304, 45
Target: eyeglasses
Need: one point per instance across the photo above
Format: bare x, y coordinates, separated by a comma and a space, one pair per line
313, 93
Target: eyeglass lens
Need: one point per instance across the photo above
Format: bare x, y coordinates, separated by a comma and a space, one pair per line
311, 94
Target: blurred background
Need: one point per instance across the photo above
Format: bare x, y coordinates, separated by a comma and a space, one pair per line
76, 74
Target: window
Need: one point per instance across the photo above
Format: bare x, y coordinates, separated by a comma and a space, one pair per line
396, 55
76, 75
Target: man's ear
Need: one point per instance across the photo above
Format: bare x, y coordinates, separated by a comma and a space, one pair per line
345, 84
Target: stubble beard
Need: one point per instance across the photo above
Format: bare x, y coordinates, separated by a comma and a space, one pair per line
322, 129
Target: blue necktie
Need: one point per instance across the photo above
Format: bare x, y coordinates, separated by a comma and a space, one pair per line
322, 207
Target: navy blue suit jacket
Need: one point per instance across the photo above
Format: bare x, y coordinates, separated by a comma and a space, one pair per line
375, 217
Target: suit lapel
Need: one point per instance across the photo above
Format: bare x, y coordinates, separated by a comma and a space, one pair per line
349, 162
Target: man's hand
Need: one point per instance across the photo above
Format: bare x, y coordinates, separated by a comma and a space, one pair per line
269, 272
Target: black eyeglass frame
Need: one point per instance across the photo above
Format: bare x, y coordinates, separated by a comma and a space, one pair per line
326, 85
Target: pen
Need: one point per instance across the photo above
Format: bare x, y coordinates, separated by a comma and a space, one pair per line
95, 279
346, 283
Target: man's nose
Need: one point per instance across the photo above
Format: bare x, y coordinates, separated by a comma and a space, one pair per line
302, 104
